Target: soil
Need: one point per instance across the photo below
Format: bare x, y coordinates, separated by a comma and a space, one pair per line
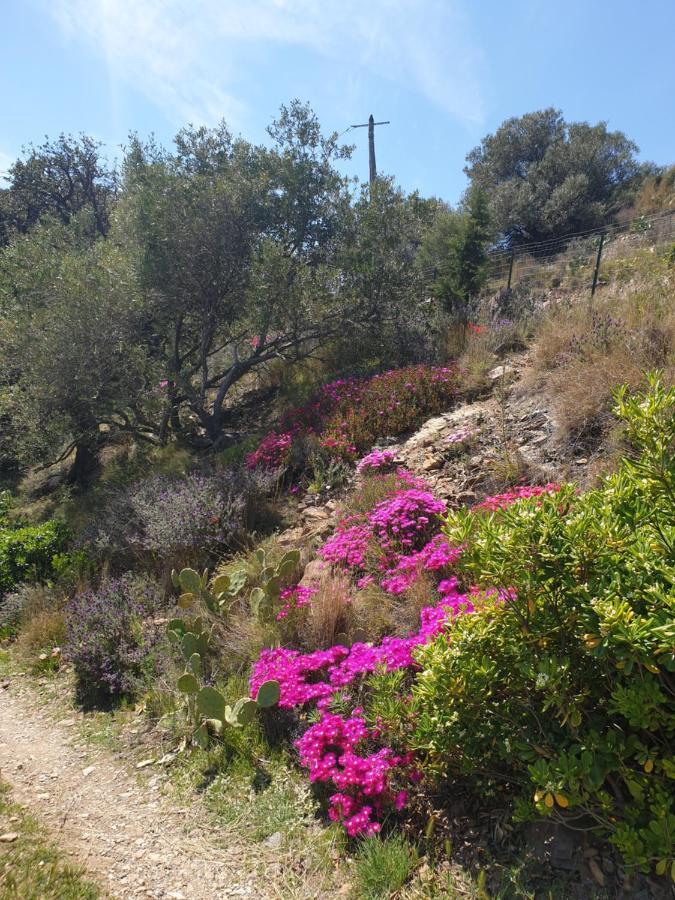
130, 837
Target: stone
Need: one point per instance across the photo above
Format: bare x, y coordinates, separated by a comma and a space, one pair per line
8, 837
501, 372
466, 497
88, 770
316, 512
581, 462
292, 536
596, 872
430, 432
144, 763
431, 463
274, 841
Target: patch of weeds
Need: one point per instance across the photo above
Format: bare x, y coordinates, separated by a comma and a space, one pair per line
254, 792
30, 867
260, 796
382, 866
437, 884
105, 729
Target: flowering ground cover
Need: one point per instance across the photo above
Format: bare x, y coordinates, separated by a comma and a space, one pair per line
391, 545
346, 417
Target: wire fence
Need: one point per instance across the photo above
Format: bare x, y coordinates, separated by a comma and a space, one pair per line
574, 261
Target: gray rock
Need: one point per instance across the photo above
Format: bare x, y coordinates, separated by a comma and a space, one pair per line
504, 372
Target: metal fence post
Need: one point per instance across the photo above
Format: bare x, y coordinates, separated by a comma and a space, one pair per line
508, 284
597, 264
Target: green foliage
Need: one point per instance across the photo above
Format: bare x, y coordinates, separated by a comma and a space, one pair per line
564, 690
70, 321
206, 708
380, 243
387, 700
231, 244
454, 253
546, 177
382, 866
65, 179
30, 553
264, 580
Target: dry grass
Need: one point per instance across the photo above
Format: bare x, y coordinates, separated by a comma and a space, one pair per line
502, 326
378, 613
329, 614
44, 631
374, 611
586, 350
406, 611
42, 625
241, 639
370, 490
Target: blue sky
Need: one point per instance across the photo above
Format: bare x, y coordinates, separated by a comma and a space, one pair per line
445, 72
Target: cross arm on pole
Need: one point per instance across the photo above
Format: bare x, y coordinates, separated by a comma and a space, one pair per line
370, 125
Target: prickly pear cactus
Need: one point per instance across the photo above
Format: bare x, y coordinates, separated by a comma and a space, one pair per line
205, 706
194, 586
264, 598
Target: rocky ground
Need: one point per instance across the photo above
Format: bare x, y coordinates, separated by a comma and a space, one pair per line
514, 434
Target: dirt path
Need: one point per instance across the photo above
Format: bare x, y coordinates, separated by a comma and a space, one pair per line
130, 838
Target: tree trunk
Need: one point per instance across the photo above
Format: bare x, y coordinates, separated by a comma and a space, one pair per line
86, 466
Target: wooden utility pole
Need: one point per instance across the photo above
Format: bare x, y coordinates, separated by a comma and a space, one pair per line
370, 125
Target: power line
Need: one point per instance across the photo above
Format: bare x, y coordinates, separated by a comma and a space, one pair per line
655, 217
540, 254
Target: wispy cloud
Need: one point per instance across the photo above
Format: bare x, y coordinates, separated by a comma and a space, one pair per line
187, 56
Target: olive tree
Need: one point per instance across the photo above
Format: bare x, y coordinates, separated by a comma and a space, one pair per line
234, 246
546, 177
60, 178
75, 372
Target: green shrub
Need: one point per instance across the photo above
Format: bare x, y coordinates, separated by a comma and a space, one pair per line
562, 693
27, 553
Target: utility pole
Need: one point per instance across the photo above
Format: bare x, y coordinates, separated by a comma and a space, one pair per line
370, 125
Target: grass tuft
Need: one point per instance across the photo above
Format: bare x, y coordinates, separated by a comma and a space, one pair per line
382, 867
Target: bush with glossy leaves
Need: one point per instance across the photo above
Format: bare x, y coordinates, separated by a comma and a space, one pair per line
562, 689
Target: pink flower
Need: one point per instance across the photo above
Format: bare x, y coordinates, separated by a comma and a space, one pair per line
500, 501
376, 460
